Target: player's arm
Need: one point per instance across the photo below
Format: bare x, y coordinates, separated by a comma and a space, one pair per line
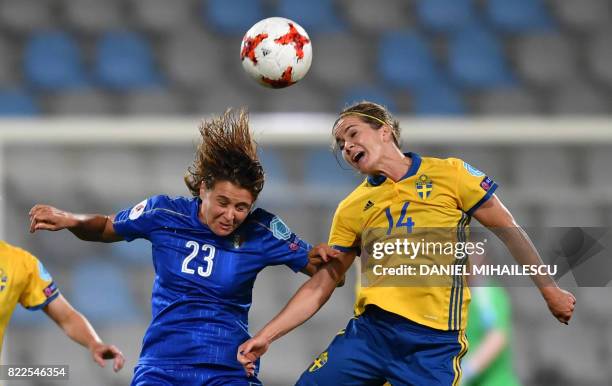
78, 328
494, 215
317, 257
301, 307
88, 227
489, 349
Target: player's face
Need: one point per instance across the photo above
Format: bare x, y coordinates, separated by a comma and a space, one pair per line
362, 146
224, 207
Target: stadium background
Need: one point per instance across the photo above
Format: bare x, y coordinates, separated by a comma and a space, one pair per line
100, 103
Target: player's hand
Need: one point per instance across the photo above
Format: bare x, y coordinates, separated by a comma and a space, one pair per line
560, 302
100, 352
321, 253
45, 217
250, 351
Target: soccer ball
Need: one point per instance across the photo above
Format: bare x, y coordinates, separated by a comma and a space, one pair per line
276, 52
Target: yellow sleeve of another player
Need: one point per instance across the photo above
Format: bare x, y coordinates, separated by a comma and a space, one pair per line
343, 234
474, 187
40, 289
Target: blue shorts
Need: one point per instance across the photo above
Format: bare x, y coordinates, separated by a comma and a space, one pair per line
205, 374
379, 346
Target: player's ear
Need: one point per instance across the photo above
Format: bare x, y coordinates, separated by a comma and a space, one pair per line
202, 189
386, 134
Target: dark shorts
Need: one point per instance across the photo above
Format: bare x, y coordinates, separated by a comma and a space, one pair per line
209, 375
379, 347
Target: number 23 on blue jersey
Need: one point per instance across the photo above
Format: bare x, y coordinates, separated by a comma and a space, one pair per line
208, 252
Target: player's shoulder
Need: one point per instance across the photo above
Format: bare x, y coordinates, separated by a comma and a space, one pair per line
261, 220
442, 163
18, 256
178, 204
356, 196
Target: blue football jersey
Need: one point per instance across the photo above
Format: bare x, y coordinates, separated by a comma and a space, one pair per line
203, 282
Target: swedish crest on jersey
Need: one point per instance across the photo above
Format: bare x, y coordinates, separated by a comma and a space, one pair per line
280, 230
424, 186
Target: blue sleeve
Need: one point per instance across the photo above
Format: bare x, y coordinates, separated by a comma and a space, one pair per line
139, 220
281, 245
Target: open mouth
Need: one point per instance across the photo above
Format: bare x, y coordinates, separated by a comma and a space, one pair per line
358, 156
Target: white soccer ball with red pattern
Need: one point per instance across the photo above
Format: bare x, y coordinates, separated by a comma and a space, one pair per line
276, 52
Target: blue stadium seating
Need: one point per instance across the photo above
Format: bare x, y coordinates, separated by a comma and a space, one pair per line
445, 15
516, 16
476, 60
438, 99
369, 93
52, 61
405, 60
125, 61
233, 17
17, 102
314, 15
101, 291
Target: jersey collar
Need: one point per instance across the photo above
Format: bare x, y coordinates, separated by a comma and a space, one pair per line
414, 167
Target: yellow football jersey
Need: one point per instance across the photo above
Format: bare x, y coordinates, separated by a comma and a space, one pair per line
23, 279
435, 194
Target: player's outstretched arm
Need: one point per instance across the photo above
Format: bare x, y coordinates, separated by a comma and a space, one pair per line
78, 328
318, 256
88, 227
494, 215
302, 306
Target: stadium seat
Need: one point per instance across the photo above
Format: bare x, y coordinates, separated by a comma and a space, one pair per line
476, 60
188, 60
405, 60
232, 17
300, 98
438, 99
339, 71
94, 17
278, 187
513, 101
52, 62
167, 167
8, 70
530, 161
598, 170
17, 102
445, 16
101, 291
545, 60
599, 56
125, 61
153, 102
162, 16
316, 16
25, 16
376, 17
580, 98
519, 16
81, 102
227, 93
584, 15
369, 93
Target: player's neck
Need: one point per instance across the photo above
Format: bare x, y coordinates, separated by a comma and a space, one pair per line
395, 165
